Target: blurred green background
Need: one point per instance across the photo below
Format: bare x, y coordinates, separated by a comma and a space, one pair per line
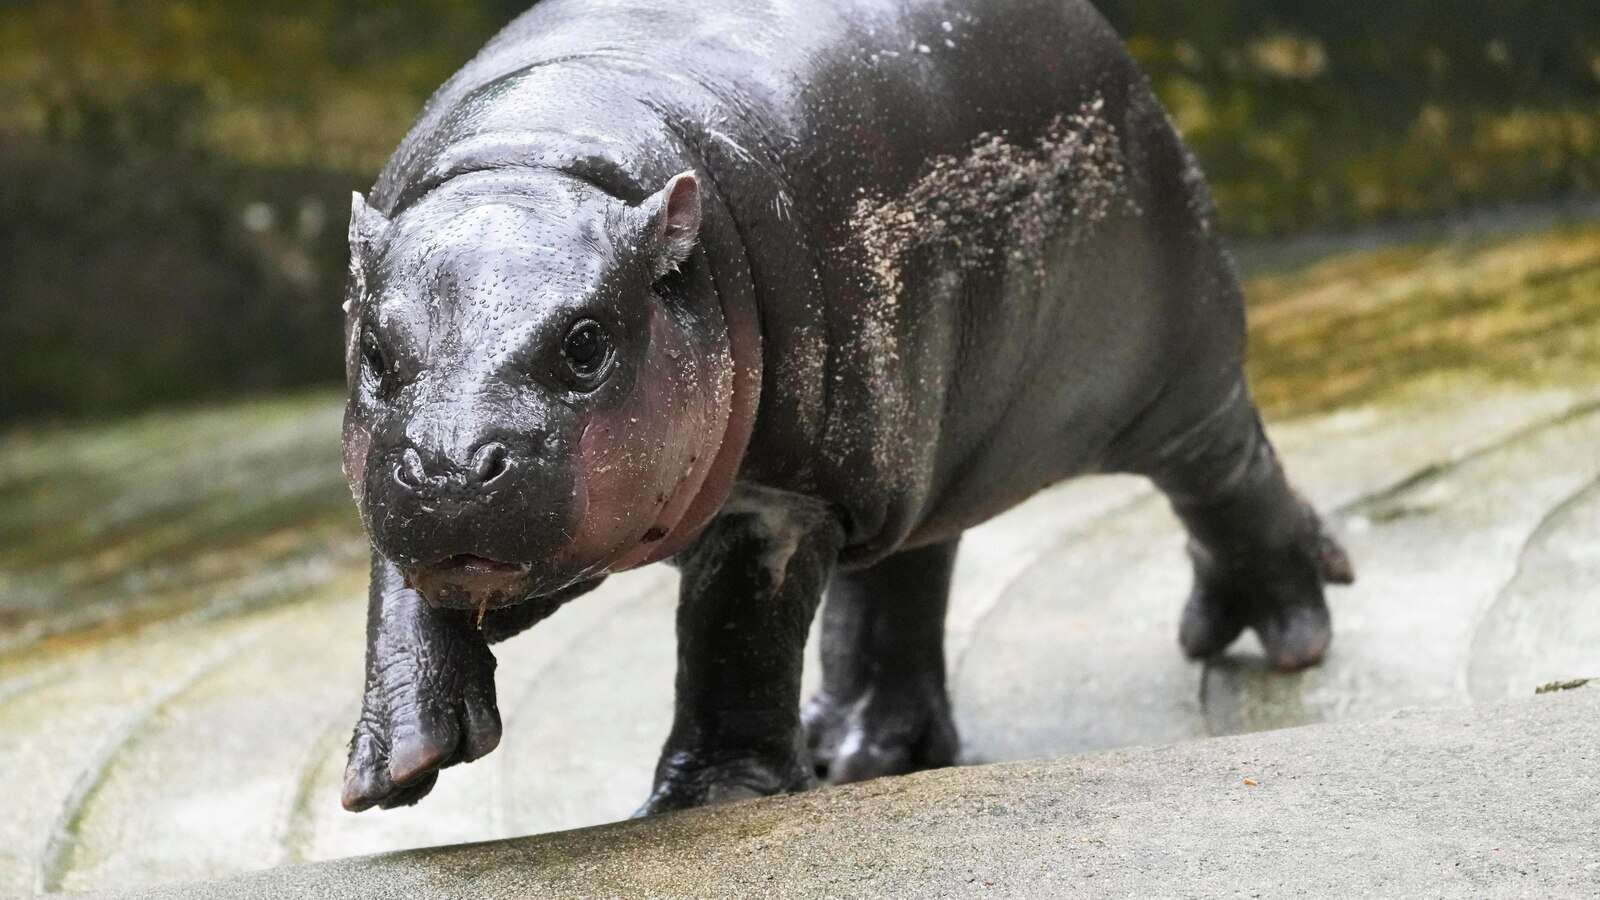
175, 174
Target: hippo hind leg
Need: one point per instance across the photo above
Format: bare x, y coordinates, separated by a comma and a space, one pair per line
1261, 556
883, 708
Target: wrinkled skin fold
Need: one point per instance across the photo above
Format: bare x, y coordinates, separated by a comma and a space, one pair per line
789, 295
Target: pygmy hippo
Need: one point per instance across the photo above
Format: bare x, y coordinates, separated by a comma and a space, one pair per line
789, 294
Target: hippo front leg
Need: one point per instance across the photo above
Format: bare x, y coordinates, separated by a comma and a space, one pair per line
751, 584
429, 701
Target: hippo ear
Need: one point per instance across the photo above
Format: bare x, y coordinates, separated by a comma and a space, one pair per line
674, 222
366, 224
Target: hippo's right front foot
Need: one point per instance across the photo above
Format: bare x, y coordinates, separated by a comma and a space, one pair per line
429, 701
890, 730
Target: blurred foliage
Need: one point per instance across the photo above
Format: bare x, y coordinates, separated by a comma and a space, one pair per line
150, 278
177, 171
180, 178
1316, 113
270, 82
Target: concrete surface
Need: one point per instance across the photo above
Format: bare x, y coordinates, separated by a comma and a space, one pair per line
181, 637
212, 745
1497, 800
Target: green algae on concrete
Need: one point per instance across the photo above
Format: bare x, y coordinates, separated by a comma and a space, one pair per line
1522, 309
105, 525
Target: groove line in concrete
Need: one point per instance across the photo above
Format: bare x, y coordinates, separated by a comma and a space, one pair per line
1552, 518
54, 861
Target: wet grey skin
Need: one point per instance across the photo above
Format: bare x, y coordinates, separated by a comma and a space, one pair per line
788, 295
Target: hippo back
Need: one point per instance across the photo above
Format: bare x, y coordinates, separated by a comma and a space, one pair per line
969, 233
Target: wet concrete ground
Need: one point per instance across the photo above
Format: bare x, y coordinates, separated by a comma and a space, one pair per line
180, 660
1494, 800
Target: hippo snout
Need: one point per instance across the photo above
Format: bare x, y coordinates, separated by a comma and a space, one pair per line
484, 520
485, 466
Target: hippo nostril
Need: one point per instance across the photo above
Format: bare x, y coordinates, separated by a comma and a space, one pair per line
489, 462
409, 472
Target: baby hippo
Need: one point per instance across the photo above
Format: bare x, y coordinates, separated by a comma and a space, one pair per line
789, 295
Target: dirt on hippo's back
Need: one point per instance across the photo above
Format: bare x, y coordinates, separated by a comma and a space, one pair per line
1002, 198
1002, 204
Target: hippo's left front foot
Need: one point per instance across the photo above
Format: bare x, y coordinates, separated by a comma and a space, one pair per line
684, 781
429, 700
751, 584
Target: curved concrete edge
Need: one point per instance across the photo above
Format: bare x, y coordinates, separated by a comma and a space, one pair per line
1495, 799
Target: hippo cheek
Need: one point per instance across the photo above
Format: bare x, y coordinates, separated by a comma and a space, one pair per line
639, 462
621, 487
695, 422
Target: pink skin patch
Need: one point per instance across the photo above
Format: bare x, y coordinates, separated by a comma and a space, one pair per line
644, 462
707, 480
739, 395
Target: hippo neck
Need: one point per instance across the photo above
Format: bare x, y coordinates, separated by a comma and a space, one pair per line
744, 343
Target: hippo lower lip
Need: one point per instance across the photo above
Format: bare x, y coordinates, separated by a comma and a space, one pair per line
467, 562
466, 581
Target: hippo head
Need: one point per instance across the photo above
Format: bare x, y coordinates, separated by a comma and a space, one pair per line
538, 386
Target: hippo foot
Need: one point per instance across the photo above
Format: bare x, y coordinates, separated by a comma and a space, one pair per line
1278, 594
683, 782
416, 723
882, 732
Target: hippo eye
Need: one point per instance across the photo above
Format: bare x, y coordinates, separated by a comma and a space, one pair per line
372, 353
377, 363
586, 349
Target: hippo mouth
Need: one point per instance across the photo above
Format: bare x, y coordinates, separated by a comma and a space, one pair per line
465, 581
